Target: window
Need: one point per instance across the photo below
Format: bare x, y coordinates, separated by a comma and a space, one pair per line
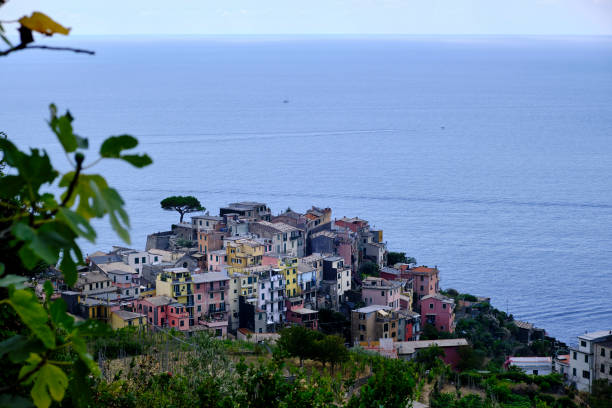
135, 260
199, 296
574, 372
361, 337
212, 295
386, 327
586, 374
382, 293
144, 260
602, 368
155, 259
443, 305
575, 357
422, 288
535, 372
603, 352
199, 308
431, 305
586, 358
197, 287
582, 343
182, 323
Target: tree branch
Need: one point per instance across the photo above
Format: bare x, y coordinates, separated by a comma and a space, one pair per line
45, 47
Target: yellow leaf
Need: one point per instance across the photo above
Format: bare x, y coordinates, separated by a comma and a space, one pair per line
43, 24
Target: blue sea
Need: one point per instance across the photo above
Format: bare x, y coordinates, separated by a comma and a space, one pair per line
490, 157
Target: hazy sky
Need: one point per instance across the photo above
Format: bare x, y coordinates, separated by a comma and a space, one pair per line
324, 16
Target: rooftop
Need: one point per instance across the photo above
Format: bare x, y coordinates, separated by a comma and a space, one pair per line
409, 347
598, 335
439, 297
92, 277
209, 277
422, 269
116, 266
125, 315
333, 258
160, 300
372, 308
303, 311
523, 325
279, 226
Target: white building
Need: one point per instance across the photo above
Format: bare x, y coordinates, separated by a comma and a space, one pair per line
271, 296
583, 365
532, 365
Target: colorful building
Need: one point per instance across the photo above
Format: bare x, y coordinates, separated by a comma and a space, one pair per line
438, 311
123, 318
216, 260
379, 291
163, 311
177, 283
211, 290
298, 314
374, 322
243, 253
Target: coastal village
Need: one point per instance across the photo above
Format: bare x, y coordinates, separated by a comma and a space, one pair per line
246, 274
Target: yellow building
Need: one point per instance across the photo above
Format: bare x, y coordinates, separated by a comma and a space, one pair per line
243, 253
123, 318
95, 309
176, 283
288, 267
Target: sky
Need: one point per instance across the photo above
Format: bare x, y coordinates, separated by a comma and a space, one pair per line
419, 17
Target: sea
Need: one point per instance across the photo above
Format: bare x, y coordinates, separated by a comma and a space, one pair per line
488, 157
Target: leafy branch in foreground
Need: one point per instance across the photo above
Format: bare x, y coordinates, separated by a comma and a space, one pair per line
41, 346
37, 22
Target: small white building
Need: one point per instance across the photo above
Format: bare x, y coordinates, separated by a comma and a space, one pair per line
583, 368
531, 365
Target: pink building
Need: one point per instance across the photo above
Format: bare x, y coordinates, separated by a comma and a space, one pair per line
439, 311
163, 311
425, 281
270, 260
211, 306
298, 314
378, 291
216, 260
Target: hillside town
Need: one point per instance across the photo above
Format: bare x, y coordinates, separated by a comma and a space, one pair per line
246, 274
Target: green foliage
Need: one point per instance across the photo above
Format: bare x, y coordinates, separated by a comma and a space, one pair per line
298, 341
185, 243
399, 257
470, 359
391, 385
601, 394
43, 350
430, 357
182, 204
332, 322
368, 268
